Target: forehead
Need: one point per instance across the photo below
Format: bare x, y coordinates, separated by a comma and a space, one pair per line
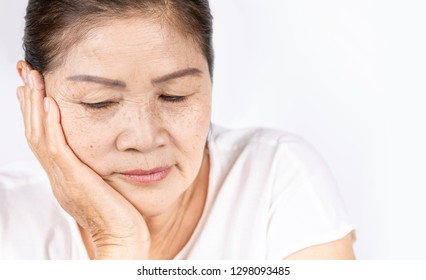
133, 46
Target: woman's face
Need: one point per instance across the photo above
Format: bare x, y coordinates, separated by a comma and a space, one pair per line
151, 91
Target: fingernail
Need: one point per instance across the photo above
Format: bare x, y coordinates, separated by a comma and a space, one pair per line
46, 105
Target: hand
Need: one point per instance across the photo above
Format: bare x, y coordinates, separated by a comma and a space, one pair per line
117, 229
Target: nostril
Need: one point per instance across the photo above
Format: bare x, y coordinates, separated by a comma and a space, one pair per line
137, 139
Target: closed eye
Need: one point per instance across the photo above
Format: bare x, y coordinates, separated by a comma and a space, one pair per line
107, 104
173, 98
99, 105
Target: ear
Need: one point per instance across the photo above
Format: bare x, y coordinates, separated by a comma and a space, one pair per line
20, 67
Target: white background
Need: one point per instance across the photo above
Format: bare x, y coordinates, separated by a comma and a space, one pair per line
349, 76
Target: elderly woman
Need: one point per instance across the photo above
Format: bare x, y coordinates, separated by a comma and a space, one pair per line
117, 106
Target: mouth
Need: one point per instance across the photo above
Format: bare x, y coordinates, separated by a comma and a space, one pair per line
141, 176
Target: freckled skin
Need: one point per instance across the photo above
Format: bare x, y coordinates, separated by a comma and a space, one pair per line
140, 131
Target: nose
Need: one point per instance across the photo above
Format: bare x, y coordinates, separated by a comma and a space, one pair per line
142, 131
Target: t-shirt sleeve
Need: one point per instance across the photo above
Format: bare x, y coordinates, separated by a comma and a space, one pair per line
306, 208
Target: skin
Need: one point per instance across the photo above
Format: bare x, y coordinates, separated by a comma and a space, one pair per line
340, 249
84, 150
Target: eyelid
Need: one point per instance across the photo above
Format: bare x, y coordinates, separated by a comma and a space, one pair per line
173, 98
98, 105
106, 104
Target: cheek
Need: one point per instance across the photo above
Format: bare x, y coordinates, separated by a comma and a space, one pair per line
189, 130
190, 122
87, 139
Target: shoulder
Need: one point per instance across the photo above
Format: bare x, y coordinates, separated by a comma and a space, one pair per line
236, 138
259, 137
276, 150
289, 169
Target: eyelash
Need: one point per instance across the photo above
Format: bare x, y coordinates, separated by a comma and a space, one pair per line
173, 98
100, 105
107, 104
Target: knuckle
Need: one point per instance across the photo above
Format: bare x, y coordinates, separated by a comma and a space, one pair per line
34, 141
31, 146
19, 89
38, 144
53, 151
28, 136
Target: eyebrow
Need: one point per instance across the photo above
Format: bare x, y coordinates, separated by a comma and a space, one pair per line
176, 75
121, 84
98, 80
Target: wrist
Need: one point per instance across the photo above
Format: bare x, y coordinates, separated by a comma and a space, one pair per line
113, 250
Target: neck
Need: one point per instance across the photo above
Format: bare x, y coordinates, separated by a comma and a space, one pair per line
173, 229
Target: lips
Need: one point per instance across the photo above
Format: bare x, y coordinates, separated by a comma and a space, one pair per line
147, 176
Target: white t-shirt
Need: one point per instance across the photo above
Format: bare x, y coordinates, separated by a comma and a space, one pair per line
270, 194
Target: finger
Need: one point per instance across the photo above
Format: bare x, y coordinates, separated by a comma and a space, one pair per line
26, 100
37, 112
57, 146
25, 75
20, 95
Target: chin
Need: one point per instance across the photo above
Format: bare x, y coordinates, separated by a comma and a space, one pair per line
156, 198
